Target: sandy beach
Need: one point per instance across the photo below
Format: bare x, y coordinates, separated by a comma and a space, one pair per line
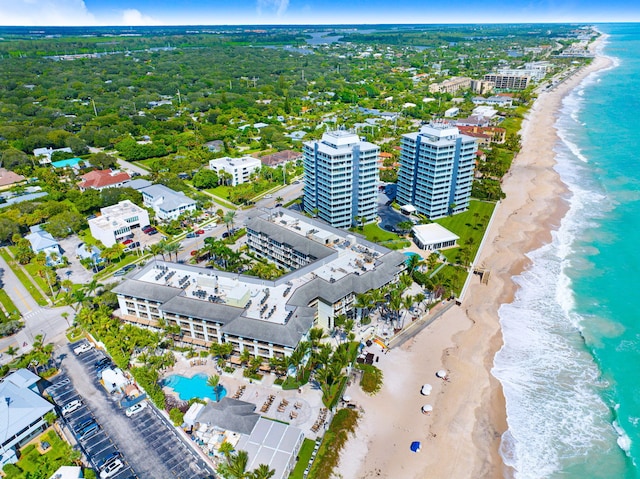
461, 437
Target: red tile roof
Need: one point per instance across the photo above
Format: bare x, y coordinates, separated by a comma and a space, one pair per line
102, 178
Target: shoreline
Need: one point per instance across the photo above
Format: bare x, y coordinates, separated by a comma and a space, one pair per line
461, 437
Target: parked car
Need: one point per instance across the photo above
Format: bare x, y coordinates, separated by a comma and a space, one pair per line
225, 234
152, 232
89, 431
71, 407
102, 361
191, 234
194, 252
120, 272
83, 348
200, 232
268, 196
109, 458
129, 241
147, 228
278, 205
112, 469
135, 409
84, 424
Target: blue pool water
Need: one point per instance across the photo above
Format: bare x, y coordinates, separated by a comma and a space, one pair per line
67, 162
194, 387
409, 254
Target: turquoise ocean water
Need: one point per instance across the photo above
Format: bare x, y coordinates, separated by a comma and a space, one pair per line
570, 364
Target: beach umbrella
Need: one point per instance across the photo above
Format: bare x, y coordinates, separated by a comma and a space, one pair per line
415, 446
442, 374
427, 408
426, 389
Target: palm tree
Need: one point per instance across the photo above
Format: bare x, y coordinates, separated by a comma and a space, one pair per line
235, 467
12, 351
157, 248
413, 263
226, 448
363, 303
263, 472
214, 382
228, 219
172, 248
92, 287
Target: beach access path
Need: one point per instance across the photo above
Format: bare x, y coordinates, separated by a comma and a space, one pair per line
461, 437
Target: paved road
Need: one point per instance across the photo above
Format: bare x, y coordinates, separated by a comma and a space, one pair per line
130, 167
150, 445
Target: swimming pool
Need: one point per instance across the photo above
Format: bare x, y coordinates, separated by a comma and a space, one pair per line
68, 162
194, 387
409, 254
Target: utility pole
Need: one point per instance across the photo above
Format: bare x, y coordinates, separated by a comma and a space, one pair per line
95, 111
179, 100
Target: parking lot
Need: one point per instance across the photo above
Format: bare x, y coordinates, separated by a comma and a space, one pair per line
148, 443
96, 445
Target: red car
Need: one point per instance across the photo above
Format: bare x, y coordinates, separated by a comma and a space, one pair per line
200, 232
194, 252
129, 241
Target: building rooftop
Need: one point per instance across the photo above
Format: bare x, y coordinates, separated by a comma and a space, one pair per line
103, 178
169, 199
273, 311
19, 405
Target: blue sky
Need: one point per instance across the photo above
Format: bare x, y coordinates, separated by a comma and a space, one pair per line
243, 12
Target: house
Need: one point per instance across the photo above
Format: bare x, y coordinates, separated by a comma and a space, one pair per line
451, 112
433, 237
9, 178
86, 252
68, 472
215, 146
100, 179
280, 158
22, 410
297, 135
167, 203
240, 169
117, 221
44, 154
41, 241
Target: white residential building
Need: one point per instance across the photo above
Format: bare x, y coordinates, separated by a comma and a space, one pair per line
115, 223
167, 203
240, 169
44, 154
22, 410
436, 170
341, 178
41, 241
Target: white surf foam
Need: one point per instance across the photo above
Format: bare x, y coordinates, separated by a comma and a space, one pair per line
551, 384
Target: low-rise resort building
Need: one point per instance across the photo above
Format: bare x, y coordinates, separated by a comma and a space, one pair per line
327, 268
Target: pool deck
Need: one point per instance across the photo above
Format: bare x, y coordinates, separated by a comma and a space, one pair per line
309, 399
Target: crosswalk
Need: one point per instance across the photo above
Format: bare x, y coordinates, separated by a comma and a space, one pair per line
33, 313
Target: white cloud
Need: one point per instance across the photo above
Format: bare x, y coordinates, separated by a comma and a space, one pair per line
133, 17
45, 13
280, 6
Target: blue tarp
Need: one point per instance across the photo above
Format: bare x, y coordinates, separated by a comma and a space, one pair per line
415, 446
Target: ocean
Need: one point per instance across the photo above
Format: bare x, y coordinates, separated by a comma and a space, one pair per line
570, 363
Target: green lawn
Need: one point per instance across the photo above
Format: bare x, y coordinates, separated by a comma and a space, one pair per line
303, 459
34, 464
6, 302
470, 226
376, 234
32, 269
26, 282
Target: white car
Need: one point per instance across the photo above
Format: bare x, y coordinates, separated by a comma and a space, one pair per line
70, 407
135, 409
112, 469
83, 348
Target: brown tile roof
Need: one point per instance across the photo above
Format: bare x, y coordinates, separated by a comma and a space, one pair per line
102, 178
9, 177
